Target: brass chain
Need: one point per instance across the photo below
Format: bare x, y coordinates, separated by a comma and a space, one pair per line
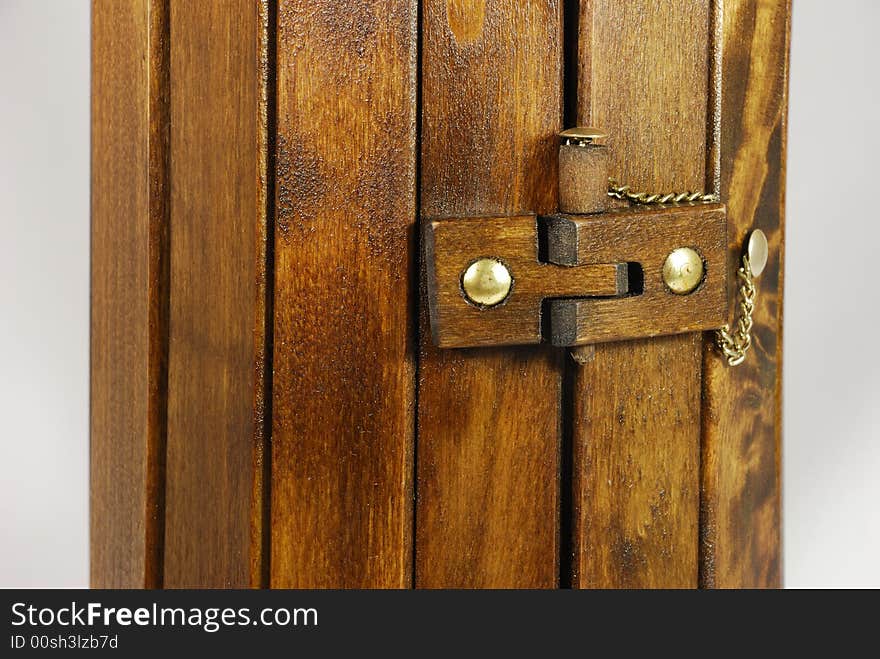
624, 193
733, 344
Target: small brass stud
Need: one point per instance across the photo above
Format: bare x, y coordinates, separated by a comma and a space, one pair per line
486, 282
683, 270
758, 252
583, 136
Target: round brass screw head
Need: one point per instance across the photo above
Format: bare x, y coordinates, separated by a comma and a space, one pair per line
757, 251
683, 270
583, 136
486, 282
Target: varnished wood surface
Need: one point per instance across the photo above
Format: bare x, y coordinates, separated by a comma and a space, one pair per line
488, 440
583, 178
643, 236
344, 376
740, 540
186, 303
644, 70
129, 291
453, 244
217, 298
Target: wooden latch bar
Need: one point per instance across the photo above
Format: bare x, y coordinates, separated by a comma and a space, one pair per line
452, 245
643, 237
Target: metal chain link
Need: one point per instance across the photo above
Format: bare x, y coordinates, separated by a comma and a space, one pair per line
624, 193
733, 344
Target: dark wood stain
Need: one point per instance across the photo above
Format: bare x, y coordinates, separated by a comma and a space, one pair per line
741, 493
344, 361
213, 534
488, 452
254, 259
636, 473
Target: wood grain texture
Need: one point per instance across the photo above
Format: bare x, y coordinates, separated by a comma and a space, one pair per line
488, 435
452, 245
344, 381
218, 289
129, 291
583, 178
643, 77
643, 236
740, 529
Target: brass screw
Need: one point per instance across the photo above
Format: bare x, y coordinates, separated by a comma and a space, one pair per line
758, 251
486, 282
583, 136
683, 270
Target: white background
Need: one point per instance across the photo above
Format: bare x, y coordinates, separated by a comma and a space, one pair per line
832, 363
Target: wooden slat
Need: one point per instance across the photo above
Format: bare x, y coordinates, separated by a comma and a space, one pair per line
488, 438
218, 290
643, 76
740, 538
344, 382
129, 291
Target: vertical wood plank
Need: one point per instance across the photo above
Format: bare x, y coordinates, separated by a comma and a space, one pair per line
129, 291
488, 436
217, 300
344, 381
644, 70
740, 525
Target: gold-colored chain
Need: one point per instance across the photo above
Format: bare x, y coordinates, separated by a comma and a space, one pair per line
626, 194
733, 344
736, 344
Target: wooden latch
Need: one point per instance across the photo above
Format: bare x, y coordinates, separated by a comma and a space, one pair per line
585, 275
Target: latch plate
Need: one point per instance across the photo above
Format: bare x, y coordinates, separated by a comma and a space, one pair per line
645, 236
453, 244
586, 276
